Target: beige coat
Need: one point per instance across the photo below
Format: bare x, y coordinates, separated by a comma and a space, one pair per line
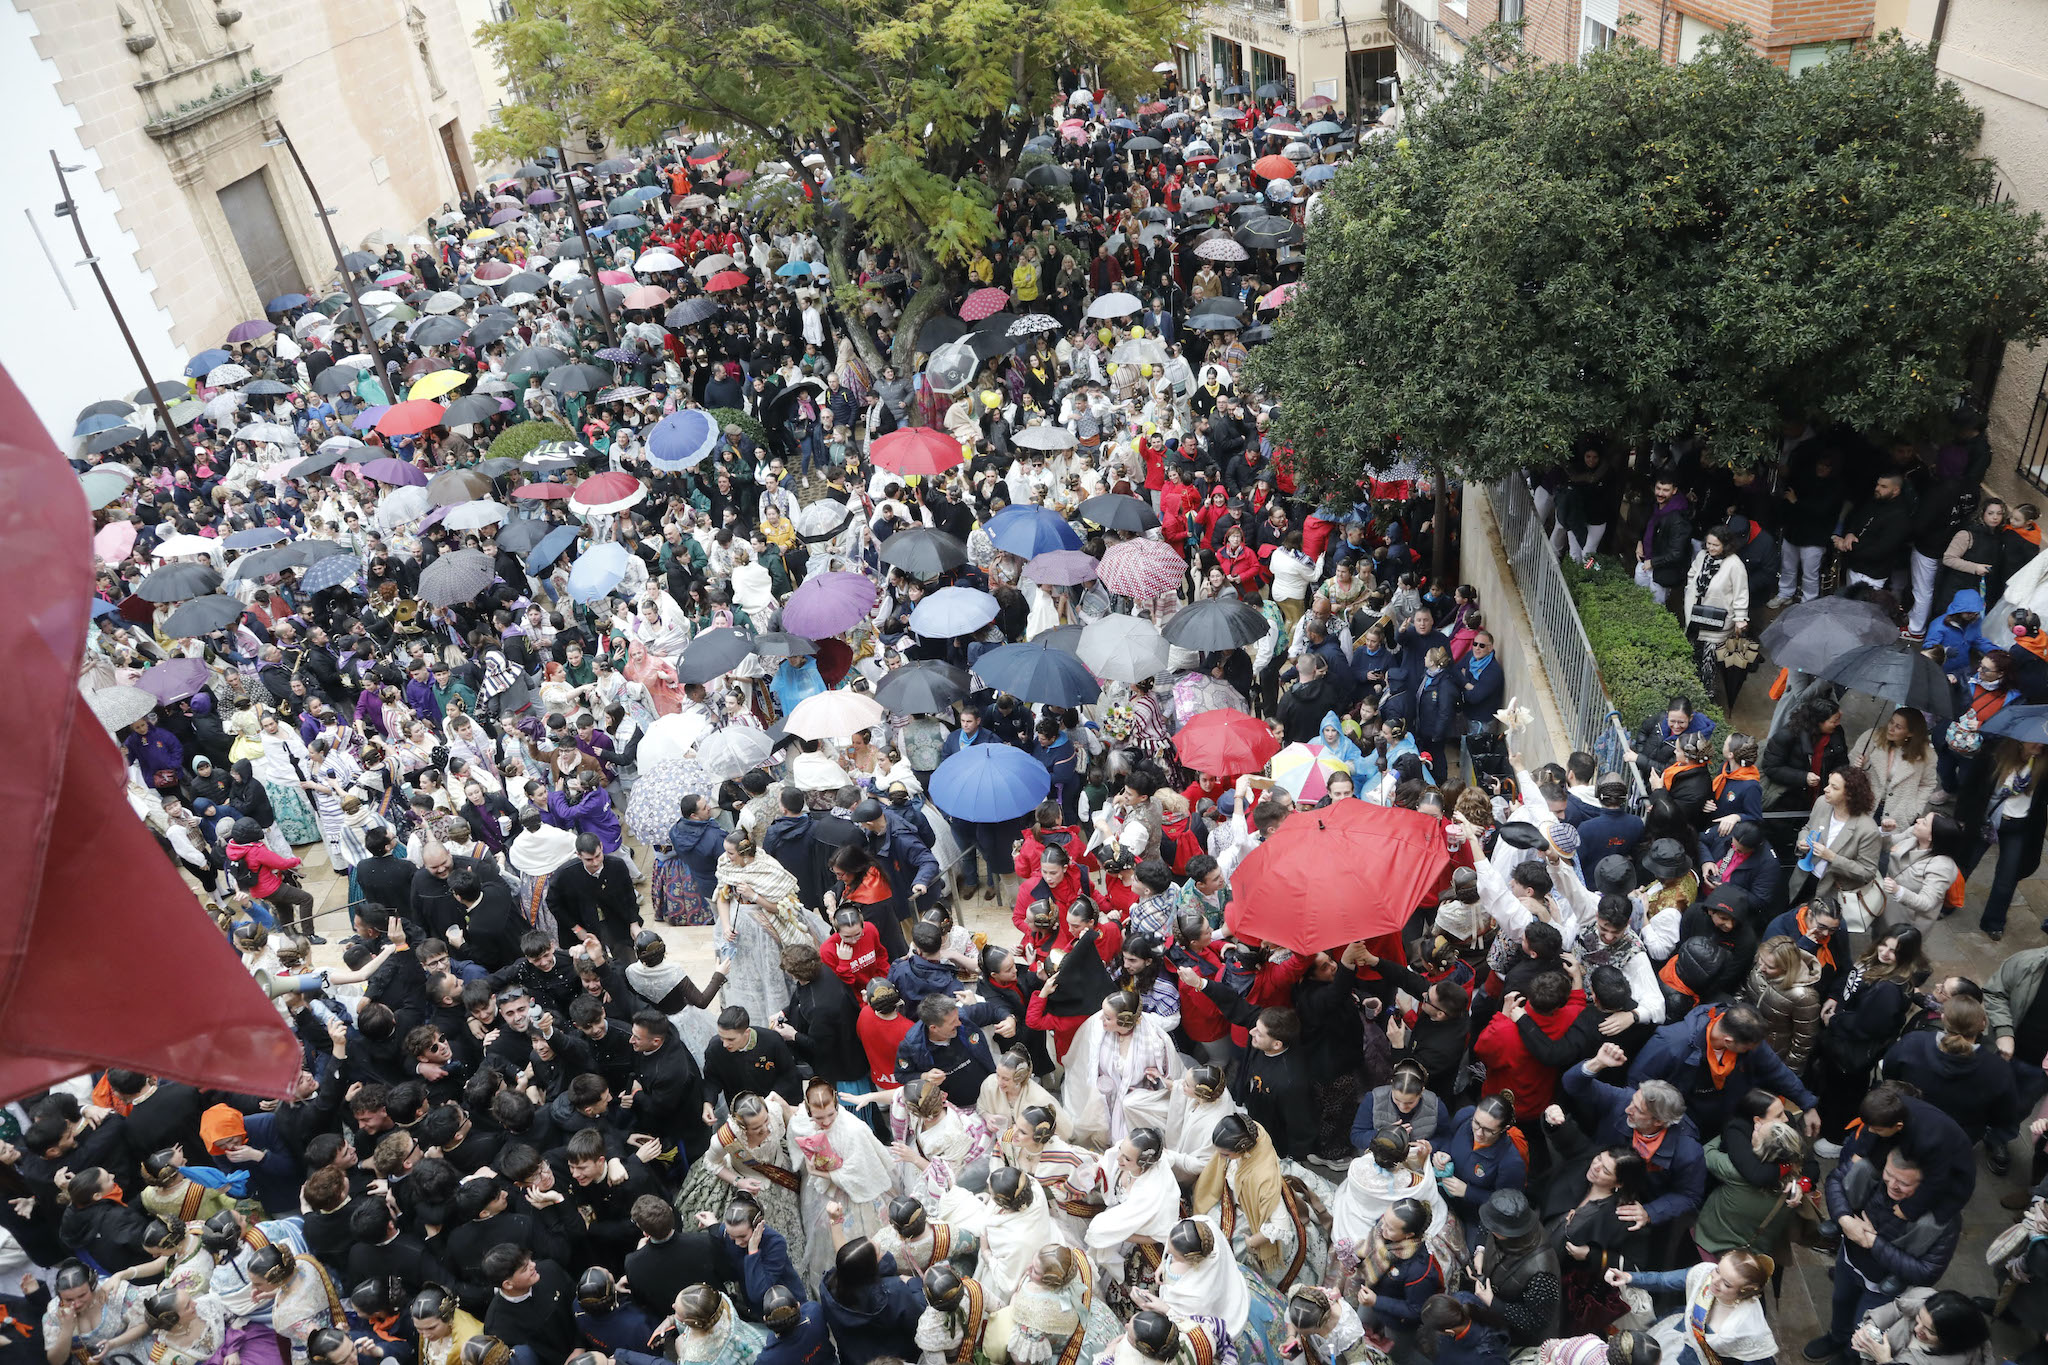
1727, 589
1924, 878
1903, 787
1791, 1010
1852, 872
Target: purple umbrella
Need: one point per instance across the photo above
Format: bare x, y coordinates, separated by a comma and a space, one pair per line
433, 518
542, 197
370, 416
394, 472
503, 216
1064, 568
174, 680
828, 603
249, 331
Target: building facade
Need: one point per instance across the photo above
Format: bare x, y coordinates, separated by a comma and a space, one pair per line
1793, 33
1342, 49
170, 110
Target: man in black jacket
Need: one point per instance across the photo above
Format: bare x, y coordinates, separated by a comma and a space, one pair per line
433, 905
594, 896
98, 1225
745, 1059
822, 1019
1269, 1080
789, 840
1875, 539
1668, 544
384, 877
532, 1303
670, 1260
668, 1098
1303, 706
491, 922
381, 1252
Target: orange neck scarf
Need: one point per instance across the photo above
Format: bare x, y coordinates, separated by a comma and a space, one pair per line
1720, 1061
1823, 951
1678, 770
1646, 1144
1746, 773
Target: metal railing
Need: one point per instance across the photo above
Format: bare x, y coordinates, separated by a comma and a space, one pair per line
1559, 643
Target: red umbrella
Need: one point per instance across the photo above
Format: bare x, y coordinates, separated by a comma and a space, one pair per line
1225, 743
983, 302
739, 177
1333, 876
187, 1008
411, 418
540, 491
916, 450
490, 272
1273, 168
724, 280
1142, 569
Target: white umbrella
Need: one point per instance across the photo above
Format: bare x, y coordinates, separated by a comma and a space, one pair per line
402, 505
444, 302
1044, 438
309, 322
1125, 649
817, 773
734, 750
120, 706
565, 270
517, 297
449, 220
221, 375
473, 516
177, 547
834, 715
711, 264
657, 260
223, 404
358, 361
1163, 69
672, 737
1116, 304
378, 298
267, 433
342, 443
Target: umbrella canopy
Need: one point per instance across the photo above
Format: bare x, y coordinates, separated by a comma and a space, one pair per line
2027, 724
1225, 743
916, 450
113, 542
330, 572
735, 751
174, 679
1118, 512
983, 302
1027, 531
1115, 304
657, 799
1125, 649
834, 715
456, 577
1895, 672
1038, 672
923, 551
598, 570
410, 418
1045, 438
178, 547
1215, 623
825, 604
989, 784
177, 582
452, 486
522, 535
1812, 635
952, 612
714, 653
120, 706
1061, 568
1334, 876
682, 439
255, 538
467, 411
925, 688
1272, 168
550, 547
607, 493
474, 516
388, 470
262, 564
1142, 569
780, 644
1303, 771
203, 616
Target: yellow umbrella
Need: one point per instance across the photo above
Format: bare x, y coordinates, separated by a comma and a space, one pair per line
435, 384
482, 235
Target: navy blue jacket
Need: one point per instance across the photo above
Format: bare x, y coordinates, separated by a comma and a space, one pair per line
879, 1321
906, 862
1677, 1179
1481, 696
1436, 708
807, 1343
917, 977
762, 1270
1610, 833
1760, 876
1499, 1167
1410, 650
914, 1053
1677, 1053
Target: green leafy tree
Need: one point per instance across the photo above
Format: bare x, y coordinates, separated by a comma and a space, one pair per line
1629, 249
918, 107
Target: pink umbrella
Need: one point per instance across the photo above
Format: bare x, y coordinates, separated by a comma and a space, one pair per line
646, 296
114, 541
1141, 569
739, 177
621, 277
1276, 297
980, 304
490, 272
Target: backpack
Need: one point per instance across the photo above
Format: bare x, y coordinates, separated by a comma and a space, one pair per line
244, 873
1178, 842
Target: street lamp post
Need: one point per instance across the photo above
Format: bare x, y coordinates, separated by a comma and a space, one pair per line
604, 307
67, 207
348, 281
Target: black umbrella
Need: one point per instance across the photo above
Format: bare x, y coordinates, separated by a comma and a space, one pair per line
471, 409
1256, 336
203, 616
939, 330
525, 282
586, 305
714, 653
498, 466
570, 248
1061, 637
925, 688
106, 407
456, 577
1271, 90
1812, 635
987, 345
1215, 623
1118, 512
1197, 203
692, 311
336, 379
488, 330
1048, 177
780, 644
176, 582
1143, 144
437, 330
1219, 305
357, 260
313, 551
923, 551
263, 563
1213, 322
521, 536
1895, 672
316, 464
578, 378
113, 436
576, 286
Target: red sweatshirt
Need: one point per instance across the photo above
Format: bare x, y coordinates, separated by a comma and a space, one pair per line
879, 1038
868, 961
1509, 1065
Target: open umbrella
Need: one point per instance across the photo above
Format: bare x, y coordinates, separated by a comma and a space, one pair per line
598, 570
714, 653
1895, 672
1225, 743
1115, 304
682, 439
388, 470
1142, 569
953, 612
1038, 672
735, 751
1125, 649
330, 572
203, 616
177, 582
834, 715
522, 535
983, 303
657, 799
1047, 438
550, 547
2027, 724
916, 450
924, 688
255, 538
120, 706
827, 603
456, 577
603, 493
1026, 531
923, 551
1215, 623
474, 516
1062, 568
452, 486
113, 542
1812, 635
1334, 876
989, 784
780, 644
1118, 512
174, 679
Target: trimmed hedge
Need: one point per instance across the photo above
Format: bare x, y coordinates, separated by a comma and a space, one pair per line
746, 422
518, 440
1643, 655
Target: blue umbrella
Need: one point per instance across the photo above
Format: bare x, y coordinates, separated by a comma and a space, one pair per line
793, 268
284, 301
330, 572
682, 439
1027, 532
952, 611
1316, 175
641, 194
255, 537
1322, 127
205, 361
99, 421
1038, 672
2028, 724
598, 570
990, 783
102, 607
551, 547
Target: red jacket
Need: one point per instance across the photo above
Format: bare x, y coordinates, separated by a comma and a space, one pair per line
870, 959
1035, 842
267, 864
879, 1038
1509, 1065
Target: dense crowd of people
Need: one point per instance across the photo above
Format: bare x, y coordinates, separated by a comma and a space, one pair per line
832, 667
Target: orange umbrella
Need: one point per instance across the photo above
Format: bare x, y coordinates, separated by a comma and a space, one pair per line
411, 418
1273, 168
646, 296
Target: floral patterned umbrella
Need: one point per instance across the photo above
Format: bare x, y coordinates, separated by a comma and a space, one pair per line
658, 793
1142, 569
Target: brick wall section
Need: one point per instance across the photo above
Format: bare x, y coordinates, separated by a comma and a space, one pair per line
1551, 27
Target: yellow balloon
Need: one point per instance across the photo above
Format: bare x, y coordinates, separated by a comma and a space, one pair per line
1145, 370
1106, 336
991, 399
1137, 332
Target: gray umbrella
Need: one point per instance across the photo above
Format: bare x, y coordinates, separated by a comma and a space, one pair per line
1814, 634
456, 577
203, 616
1895, 672
1215, 623
923, 551
525, 282
176, 582
113, 436
536, 360
586, 304
120, 706
437, 330
357, 260
336, 379
578, 378
692, 311
263, 563
470, 409
521, 536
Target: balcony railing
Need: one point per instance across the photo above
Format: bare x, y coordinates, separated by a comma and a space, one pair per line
1415, 33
